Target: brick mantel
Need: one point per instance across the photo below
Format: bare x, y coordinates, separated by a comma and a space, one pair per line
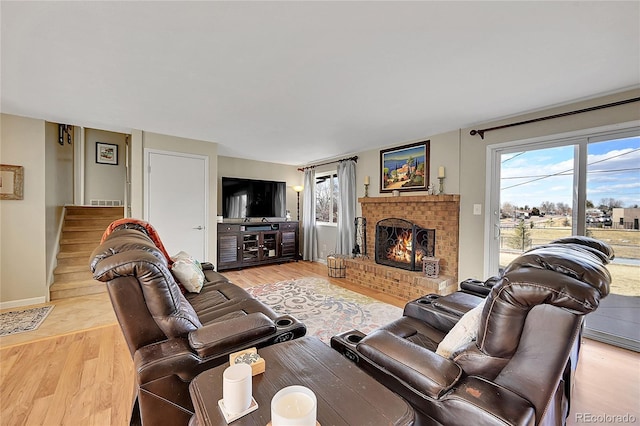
439, 212
411, 199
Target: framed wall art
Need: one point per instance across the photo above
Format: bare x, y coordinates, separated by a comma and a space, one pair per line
106, 153
405, 168
11, 182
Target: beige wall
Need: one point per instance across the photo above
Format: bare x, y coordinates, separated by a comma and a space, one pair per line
27, 226
464, 159
103, 181
444, 150
22, 222
58, 190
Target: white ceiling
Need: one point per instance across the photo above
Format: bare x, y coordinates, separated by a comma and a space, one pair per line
297, 82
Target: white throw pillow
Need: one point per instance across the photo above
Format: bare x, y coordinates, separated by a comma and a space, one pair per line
188, 272
465, 331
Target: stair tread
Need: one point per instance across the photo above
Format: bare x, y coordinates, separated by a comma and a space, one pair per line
78, 247
94, 210
66, 285
81, 239
84, 274
64, 269
75, 254
67, 292
88, 224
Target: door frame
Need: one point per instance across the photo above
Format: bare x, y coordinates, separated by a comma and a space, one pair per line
145, 187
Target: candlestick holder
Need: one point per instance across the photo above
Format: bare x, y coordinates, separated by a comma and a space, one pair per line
441, 189
366, 189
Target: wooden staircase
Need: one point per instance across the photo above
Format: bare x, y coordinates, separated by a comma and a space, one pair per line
81, 232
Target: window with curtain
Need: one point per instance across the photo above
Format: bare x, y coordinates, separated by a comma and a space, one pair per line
327, 197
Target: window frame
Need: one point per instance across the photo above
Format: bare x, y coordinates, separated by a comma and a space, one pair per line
333, 178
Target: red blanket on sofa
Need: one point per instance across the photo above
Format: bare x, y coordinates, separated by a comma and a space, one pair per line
151, 232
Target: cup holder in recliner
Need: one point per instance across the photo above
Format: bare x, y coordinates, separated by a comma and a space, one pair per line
353, 338
426, 300
284, 322
346, 343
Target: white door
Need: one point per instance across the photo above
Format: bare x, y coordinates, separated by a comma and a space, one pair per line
176, 200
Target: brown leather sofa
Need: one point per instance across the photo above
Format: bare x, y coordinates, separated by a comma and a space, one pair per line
516, 370
173, 336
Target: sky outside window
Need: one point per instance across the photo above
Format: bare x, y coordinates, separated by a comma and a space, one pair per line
532, 177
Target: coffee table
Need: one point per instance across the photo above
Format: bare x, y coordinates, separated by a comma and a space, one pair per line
346, 395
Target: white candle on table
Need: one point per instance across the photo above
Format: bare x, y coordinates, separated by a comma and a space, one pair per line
294, 405
441, 171
236, 388
366, 180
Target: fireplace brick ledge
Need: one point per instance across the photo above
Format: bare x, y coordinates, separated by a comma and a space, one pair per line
411, 199
405, 284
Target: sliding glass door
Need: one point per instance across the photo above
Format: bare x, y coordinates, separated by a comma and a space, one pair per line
612, 212
589, 185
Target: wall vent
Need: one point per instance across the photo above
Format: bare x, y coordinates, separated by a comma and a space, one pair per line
107, 203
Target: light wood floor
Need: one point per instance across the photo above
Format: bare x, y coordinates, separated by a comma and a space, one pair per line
76, 370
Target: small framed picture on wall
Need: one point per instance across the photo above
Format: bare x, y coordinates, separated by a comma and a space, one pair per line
11, 182
106, 153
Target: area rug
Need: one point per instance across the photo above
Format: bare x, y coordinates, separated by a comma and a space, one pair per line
326, 309
15, 322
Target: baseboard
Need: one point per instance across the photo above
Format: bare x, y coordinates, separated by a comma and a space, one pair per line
23, 302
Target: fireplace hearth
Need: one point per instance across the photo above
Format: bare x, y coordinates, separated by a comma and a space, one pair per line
402, 244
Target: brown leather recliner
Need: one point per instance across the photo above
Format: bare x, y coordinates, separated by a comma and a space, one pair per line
173, 336
515, 371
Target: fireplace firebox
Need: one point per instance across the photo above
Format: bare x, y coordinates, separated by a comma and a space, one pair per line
403, 244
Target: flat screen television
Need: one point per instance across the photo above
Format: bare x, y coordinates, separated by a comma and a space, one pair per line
251, 198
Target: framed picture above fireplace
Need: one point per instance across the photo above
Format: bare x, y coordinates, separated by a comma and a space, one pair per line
405, 168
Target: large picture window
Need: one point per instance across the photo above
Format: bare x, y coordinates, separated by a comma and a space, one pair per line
327, 197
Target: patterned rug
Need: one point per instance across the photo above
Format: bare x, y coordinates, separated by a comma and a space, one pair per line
325, 309
15, 322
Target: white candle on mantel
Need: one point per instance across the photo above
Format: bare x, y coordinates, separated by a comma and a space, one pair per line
366, 180
441, 171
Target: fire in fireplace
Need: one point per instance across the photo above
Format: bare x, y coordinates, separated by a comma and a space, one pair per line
403, 244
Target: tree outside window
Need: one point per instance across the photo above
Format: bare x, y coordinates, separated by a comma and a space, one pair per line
327, 197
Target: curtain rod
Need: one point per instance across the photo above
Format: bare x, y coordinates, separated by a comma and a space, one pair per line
302, 169
549, 117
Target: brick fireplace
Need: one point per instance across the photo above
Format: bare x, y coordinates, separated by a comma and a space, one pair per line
438, 212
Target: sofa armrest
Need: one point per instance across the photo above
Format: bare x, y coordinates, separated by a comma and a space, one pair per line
205, 348
487, 403
475, 287
207, 266
420, 368
423, 310
167, 358
230, 334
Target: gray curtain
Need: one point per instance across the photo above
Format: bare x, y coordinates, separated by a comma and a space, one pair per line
309, 215
345, 240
